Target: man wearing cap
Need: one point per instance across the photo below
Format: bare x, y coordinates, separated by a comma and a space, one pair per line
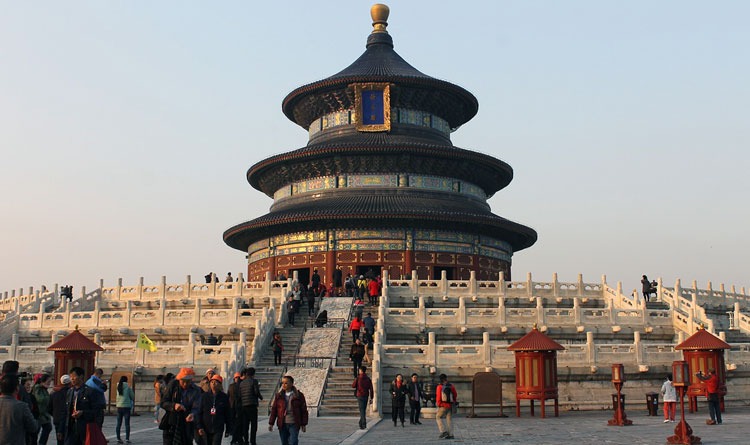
182, 403
57, 406
214, 413
205, 381
235, 407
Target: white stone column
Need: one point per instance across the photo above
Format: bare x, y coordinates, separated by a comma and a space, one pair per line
421, 313
580, 286
432, 350
590, 348
638, 347
461, 315
555, 286
444, 282
501, 284
577, 311
539, 312
501, 311
529, 285
197, 312
188, 290
473, 282
486, 349
139, 292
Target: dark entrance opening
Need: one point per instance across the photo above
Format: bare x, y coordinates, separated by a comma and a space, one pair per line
303, 275
369, 271
437, 272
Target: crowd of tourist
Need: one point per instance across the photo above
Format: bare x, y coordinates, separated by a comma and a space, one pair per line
186, 410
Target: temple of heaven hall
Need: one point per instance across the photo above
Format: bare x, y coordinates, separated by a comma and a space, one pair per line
379, 185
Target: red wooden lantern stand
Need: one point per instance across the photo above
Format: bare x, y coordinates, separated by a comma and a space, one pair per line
703, 351
618, 379
683, 434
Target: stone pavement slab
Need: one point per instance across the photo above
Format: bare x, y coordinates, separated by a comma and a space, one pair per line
580, 428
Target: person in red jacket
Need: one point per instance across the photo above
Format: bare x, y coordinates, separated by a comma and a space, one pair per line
446, 396
712, 388
289, 411
374, 292
364, 391
354, 327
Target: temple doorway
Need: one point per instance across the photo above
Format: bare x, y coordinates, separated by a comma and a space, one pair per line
369, 271
449, 272
303, 274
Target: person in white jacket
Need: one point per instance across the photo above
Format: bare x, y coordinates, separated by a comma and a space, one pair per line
669, 395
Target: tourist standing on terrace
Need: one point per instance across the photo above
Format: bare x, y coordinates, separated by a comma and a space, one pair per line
289, 411
374, 288
363, 384
446, 397
415, 399
290, 309
315, 279
646, 288
398, 399
337, 280
214, 414
712, 388
16, 421
669, 395
235, 407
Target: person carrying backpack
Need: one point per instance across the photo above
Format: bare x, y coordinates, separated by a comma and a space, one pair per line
446, 398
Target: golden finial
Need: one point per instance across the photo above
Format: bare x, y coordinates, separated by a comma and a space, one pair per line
535, 326
76, 327
379, 13
703, 326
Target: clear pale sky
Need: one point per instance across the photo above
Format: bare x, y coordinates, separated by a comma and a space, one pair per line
126, 128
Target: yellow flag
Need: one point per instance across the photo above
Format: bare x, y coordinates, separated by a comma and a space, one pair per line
145, 343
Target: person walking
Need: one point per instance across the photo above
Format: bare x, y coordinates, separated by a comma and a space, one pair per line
290, 310
356, 354
278, 347
40, 392
354, 328
646, 288
80, 408
374, 288
446, 397
124, 404
398, 399
181, 401
235, 408
369, 325
712, 390
158, 389
364, 392
213, 415
289, 412
414, 388
310, 303
359, 308
250, 396
337, 280
669, 395
16, 421
57, 407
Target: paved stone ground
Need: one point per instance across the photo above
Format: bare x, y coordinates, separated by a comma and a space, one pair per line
571, 427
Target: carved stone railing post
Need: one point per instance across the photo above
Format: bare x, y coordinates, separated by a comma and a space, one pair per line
414, 284
580, 286
128, 311
188, 291
590, 348
539, 312
190, 349
555, 286
162, 310
432, 350
139, 292
241, 284
461, 315
119, 289
267, 285
529, 285
577, 311
444, 282
421, 313
97, 309
197, 312
235, 310
501, 310
501, 284
486, 349
638, 347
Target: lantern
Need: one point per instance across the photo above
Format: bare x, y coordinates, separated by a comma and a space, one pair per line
683, 434
680, 373
703, 351
618, 373
618, 400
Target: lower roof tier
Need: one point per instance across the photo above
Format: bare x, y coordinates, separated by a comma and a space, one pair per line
367, 210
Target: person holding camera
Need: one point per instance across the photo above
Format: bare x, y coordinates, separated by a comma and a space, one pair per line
712, 388
446, 396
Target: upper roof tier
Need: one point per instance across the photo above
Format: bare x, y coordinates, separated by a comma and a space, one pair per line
380, 63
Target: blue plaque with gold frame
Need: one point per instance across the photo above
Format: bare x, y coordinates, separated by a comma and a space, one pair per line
372, 106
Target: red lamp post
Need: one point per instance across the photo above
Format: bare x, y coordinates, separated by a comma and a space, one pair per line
683, 434
618, 378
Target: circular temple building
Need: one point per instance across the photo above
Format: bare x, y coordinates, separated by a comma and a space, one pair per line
379, 185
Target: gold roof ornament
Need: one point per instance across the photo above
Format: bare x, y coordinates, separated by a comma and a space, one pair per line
379, 13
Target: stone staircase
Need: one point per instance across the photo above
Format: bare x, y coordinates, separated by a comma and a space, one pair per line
266, 372
338, 397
